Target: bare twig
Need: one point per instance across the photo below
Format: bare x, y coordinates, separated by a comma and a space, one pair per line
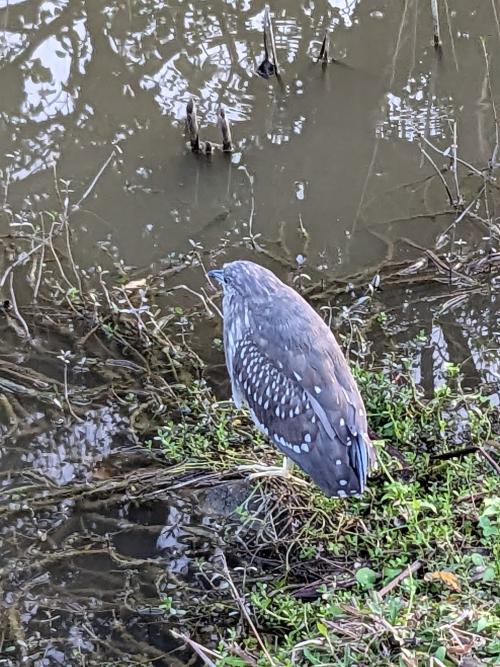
494, 163
450, 33
18, 315
454, 149
66, 391
495, 14
244, 610
252, 207
41, 262
201, 651
94, 181
490, 459
459, 160
438, 172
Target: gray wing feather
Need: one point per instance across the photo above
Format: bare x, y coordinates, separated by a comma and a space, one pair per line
308, 356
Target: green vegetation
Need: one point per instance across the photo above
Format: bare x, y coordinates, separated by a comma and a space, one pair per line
317, 579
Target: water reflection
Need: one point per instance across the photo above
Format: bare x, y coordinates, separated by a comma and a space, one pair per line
81, 78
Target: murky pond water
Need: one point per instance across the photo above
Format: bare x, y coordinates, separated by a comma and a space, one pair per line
327, 174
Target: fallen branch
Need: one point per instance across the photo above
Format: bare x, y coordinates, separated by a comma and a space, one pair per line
407, 572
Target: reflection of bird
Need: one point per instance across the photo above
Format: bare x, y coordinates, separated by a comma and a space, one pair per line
286, 365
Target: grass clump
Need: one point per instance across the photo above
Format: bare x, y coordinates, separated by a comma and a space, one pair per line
406, 575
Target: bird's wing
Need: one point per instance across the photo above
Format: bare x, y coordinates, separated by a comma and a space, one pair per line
310, 364
285, 405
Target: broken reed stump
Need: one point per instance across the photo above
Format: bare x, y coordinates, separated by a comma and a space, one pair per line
267, 68
192, 131
192, 125
325, 48
271, 38
435, 24
223, 124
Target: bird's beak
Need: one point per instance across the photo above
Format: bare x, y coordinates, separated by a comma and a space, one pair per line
216, 274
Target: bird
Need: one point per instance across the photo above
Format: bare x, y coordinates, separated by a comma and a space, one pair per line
287, 368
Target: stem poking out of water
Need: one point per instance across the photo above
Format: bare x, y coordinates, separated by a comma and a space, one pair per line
192, 125
435, 24
223, 124
325, 47
268, 21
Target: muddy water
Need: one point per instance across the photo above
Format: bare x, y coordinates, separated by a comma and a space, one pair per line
99, 91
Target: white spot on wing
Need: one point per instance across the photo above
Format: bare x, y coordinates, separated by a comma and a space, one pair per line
296, 449
338, 462
317, 389
341, 493
343, 482
307, 438
342, 421
297, 377
304, 447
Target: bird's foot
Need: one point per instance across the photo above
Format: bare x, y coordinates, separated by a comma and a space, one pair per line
258, 471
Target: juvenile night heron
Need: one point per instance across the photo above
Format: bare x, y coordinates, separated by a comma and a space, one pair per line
286, 366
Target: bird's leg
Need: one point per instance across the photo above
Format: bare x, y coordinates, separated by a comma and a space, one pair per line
284, 470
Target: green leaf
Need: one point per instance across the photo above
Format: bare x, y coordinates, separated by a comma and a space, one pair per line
366, 577
493, 647
322, 629
440, 653
489, 574
477, 559
482, 623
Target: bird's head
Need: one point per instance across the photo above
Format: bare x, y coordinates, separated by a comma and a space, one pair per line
245, 279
